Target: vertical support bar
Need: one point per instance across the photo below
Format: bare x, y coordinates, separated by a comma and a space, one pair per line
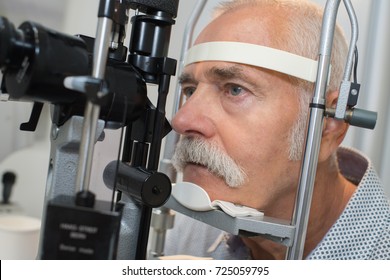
158, 234
354, 38
345, 88
173, 137
314, 131
92, 111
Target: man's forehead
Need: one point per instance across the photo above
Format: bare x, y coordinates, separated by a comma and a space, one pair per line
251, 24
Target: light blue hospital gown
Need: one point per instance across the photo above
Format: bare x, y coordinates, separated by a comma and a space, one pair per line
361, 232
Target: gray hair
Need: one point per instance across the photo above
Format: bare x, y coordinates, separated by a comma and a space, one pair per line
208, 154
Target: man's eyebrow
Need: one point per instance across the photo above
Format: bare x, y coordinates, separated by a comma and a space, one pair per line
186, 78
225, 73
217, 73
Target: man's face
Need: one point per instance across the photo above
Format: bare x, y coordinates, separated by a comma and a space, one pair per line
247, 112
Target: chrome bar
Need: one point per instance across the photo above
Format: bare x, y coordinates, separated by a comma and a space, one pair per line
354, 39
173, 137
157, 238
314, 131
342, 101
186, 44
92, 111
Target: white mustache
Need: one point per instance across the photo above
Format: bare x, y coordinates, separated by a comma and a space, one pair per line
198, 151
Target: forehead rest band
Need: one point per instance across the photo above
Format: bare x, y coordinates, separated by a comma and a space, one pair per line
254, 55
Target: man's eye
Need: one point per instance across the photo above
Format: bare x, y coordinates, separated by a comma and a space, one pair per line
235, 90
188, 91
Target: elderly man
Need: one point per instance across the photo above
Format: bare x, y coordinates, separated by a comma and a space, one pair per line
243, 129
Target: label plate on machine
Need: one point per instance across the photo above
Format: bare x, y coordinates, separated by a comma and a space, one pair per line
77, 232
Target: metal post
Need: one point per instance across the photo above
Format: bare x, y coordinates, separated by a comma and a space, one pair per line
157, 238
313, 139
173, 137
92, 111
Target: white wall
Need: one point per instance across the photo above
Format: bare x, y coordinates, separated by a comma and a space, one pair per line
73, 16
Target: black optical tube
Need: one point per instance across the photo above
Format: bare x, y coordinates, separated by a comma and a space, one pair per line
106, 9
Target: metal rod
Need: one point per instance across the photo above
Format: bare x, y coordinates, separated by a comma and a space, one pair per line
146, 212
314, 131
186, 44
158, 236
354, 38
345, 87
173, 137
92, 111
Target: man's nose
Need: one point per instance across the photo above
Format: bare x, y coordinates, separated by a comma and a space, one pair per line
194, 118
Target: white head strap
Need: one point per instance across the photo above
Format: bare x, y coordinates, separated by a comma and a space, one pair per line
255, 55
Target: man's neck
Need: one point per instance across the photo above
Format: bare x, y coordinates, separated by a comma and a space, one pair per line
332, 193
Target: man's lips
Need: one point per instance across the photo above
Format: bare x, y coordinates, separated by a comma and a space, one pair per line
198, 172
196, 168
196, 164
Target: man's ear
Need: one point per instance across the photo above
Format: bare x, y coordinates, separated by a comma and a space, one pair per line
333, 131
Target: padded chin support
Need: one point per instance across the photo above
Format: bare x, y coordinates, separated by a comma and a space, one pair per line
255, 55
196, 198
